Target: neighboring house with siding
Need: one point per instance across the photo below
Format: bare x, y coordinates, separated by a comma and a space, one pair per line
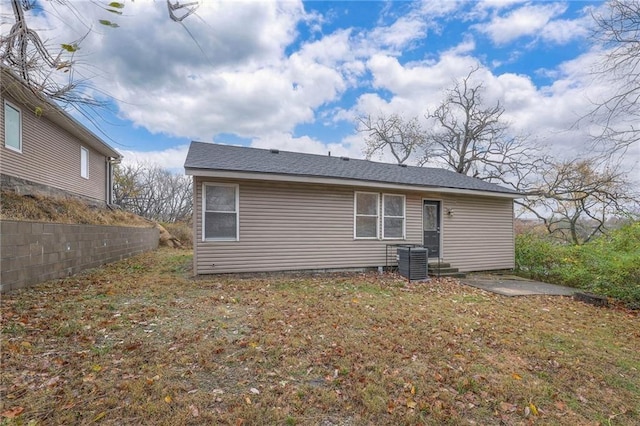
261, 210
46, 150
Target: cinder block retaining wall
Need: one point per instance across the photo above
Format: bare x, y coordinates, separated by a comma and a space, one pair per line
32, 252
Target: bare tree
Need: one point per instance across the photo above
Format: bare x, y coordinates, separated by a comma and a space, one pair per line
472, 138
51, 75
576, 199
153, 192
467, 137
45, 73
402, 138
618, 31
125, 183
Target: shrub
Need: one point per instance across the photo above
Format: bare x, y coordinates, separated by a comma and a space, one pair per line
182, 231
536, 257
609, 265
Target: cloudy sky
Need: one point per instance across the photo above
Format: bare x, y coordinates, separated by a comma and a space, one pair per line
294, 75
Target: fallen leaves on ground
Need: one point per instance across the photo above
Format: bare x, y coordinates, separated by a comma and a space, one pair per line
139, 342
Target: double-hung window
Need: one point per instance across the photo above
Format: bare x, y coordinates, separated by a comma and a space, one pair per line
12, 127
366, 215
393, 216
220, 215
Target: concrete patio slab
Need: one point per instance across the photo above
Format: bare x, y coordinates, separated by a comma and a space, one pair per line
511, 285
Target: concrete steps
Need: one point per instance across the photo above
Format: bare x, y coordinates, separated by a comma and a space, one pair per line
444, 269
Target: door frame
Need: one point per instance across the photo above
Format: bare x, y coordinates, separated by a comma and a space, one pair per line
440, 216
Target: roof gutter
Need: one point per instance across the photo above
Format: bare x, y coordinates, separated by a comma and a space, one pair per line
226, 174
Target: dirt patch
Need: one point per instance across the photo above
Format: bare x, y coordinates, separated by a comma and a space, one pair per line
140, 342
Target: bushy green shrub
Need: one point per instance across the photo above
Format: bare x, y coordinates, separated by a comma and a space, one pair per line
609, 265
536, 257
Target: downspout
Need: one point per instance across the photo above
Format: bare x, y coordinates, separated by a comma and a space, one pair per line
111, 161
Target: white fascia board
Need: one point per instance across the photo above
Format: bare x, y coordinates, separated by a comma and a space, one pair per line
341, 182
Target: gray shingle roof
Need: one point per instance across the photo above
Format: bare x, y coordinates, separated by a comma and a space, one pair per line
209, 156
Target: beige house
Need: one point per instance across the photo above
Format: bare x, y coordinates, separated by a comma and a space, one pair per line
46, 150
267, 210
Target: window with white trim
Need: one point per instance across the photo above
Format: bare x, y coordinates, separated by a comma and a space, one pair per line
366, 215
220, 220
393, 216
84, 162
12, 127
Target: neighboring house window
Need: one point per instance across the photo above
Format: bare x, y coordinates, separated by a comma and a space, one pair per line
220, 216
12, 127
393, 217
84, 162
366, 215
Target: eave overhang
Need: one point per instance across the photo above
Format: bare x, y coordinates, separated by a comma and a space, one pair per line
322, 180
17, 89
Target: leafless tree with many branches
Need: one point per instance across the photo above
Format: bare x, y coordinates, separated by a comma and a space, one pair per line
473, 139
402, 137
153, 192
617, 29
575, 199
52, 75
466, 136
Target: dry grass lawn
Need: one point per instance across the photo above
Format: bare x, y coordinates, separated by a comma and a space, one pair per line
139, 342
41, 208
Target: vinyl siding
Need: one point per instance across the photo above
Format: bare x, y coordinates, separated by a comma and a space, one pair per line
301, 226
51, 156
479, 235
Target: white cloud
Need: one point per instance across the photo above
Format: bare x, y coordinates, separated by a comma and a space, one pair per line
174, 158
437, 8
419, 80
404, 33
240, 82
549, 114
467, 46
498, 4
256, 79
170, 158
528, 20
286, 142
485, 8
245, 82
561, 31
243, 74
399, 34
